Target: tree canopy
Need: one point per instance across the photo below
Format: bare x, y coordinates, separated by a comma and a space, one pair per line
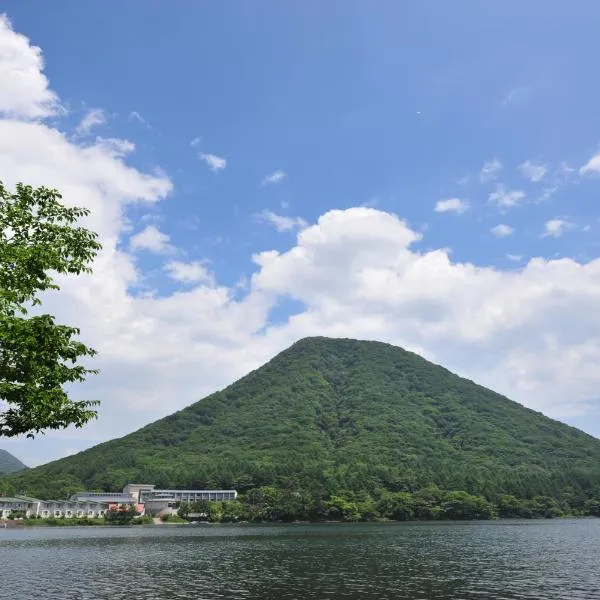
39, 238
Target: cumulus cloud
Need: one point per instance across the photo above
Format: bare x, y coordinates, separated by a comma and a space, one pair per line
215, 163
504, 198
24, 92
532, 333
533, 171
151, 239
190, 272
275, 177
490, 170
455, 205
502, 230
281, 222
92, 118
556, 227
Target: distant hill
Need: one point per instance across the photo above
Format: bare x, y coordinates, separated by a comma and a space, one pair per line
9, 464
340, 416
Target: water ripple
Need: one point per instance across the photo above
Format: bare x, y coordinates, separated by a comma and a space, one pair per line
442, 561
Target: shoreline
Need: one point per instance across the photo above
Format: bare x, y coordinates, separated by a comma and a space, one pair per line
23, 524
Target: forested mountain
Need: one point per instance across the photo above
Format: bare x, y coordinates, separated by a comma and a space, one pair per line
343, 418
8, 463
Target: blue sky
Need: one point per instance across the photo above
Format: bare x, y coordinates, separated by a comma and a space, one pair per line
486, 110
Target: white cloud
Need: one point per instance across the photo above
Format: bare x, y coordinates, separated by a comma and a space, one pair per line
151, 239
504, 198
116, 147
191, 272
282, 222
592, 166
532, 333
490, 170
533, 171
455, 205
24, 92
556, 227
92, 118
196, 141
275, 177
502, 230
514, 257
214, 162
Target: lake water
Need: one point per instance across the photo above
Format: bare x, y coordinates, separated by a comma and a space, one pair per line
505, 560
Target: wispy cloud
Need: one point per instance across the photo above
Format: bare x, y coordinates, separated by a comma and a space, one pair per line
92, 118
215, 163
556, 227
152, 240
502, 230
514, 257
517, 94
490, 170
547, 193
506, 198
455, 205
282, 222
275, 177
115, 146
134, 115
533, 171
196, 141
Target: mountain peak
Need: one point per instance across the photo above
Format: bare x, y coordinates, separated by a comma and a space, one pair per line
9, 463
337, 414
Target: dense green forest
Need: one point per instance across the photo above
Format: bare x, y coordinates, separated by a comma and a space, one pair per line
336, 426
9, 463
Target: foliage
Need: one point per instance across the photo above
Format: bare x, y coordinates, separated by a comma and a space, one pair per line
39, 237
121, 515
348, 430
429, 504
145, 520
53, 522
172, 519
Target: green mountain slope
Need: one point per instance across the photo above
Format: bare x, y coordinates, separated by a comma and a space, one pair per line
338, 416
8, 463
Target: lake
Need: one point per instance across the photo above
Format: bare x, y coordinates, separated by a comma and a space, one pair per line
505, 560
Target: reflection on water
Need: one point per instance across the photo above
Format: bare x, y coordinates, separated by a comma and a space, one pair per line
497, 560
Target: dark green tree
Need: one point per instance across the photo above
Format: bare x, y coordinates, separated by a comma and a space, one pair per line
39, 237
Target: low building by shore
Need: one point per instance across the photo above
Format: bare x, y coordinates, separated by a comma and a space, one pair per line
146, 498
24, 506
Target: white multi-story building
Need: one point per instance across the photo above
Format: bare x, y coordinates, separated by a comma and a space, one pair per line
161, 501
32, 507
17, 504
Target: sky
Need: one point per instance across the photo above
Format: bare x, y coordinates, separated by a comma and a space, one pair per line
422, 173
